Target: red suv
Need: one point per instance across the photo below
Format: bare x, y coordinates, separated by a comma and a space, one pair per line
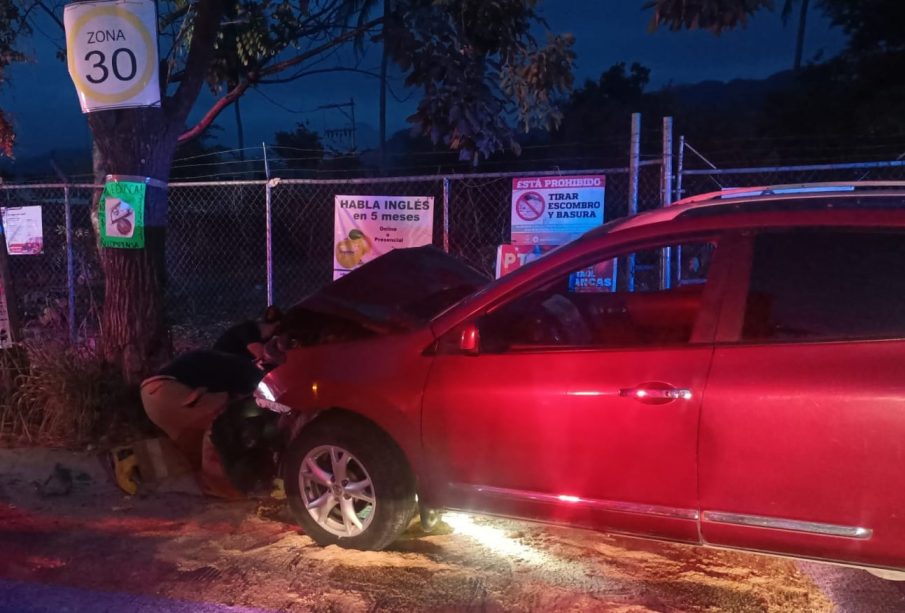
729, 370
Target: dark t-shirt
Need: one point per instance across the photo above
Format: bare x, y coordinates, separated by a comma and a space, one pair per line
216, 371
237, 339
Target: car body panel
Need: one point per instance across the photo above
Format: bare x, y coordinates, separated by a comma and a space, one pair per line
802, 444
553, 430
379, 378
400, 290
809, 433
793, 449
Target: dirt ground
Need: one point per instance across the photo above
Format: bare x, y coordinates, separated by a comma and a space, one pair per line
175, 544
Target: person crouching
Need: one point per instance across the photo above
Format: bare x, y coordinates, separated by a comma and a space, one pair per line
184, 399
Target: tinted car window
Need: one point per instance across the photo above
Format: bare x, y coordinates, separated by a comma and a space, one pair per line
825, 285
600, 306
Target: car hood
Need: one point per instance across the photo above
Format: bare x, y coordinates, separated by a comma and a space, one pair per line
396, 291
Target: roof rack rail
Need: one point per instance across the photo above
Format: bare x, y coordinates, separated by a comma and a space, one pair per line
793, 188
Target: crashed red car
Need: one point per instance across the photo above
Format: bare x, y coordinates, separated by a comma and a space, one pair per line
727, 371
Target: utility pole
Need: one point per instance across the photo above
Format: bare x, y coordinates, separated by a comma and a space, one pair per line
352, 106
384, 61
240, 131
350, 115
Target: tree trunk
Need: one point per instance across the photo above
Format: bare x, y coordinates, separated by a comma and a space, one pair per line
139, 142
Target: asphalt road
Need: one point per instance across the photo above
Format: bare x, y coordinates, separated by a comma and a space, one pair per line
93, 549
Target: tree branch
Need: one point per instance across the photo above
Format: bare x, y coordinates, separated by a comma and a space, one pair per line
49, 12
218, 107
307, 55
308, 73
251, 79
201, 51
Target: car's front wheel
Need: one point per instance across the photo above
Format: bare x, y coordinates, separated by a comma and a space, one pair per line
349, 484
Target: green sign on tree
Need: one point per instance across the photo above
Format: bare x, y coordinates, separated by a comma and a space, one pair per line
121, 215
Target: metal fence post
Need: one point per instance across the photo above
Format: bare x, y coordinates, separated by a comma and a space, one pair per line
70, 267
680, 169
666, 168
446, 214
666, 200
268, 211
634, 166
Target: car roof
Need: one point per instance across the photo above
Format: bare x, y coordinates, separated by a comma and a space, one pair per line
859, 194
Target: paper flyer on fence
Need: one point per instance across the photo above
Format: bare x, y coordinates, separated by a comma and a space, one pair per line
24, 231
366, 227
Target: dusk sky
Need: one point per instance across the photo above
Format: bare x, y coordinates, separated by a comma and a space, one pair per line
41, 98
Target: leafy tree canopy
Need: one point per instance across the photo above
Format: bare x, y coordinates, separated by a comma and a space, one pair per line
873, 26
12, 25
714, 15
482, 71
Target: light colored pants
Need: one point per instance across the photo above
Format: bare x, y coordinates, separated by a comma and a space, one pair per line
186, 415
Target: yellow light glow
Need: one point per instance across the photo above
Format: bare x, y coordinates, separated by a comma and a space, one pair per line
494, 539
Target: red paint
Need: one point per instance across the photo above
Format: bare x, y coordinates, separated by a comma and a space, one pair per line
802, 432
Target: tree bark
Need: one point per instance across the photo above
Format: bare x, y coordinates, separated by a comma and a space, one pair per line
142, 142
134, 335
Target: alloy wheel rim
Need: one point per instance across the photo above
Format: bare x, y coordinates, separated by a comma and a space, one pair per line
337, 491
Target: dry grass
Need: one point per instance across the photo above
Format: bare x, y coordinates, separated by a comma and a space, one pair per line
52, 393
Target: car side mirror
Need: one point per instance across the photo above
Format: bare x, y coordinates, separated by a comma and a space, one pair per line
470, 341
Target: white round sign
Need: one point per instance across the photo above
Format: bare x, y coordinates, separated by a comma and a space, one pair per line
112, 53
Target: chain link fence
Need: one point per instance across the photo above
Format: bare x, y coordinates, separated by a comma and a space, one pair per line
46, 288
225, 262
216, 257
691, 182
302, 229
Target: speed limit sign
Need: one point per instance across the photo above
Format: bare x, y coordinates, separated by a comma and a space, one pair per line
111, 48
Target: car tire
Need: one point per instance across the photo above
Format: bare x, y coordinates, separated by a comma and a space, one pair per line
349, 484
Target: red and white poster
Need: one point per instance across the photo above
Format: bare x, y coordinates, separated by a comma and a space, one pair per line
510, 257
366, 227
24, 231
556, 210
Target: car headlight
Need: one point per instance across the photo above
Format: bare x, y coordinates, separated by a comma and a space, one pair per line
265, 392
265, 397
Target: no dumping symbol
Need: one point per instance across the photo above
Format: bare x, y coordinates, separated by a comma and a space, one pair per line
530, 206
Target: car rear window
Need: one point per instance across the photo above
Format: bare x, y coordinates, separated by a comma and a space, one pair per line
826, 285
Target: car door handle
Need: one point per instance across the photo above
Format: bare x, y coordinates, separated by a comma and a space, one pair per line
656, 395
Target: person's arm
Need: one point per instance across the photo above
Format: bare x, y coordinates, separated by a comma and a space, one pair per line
258, 350
275, 350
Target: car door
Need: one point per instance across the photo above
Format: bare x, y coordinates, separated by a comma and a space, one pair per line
581, 404
803, 423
